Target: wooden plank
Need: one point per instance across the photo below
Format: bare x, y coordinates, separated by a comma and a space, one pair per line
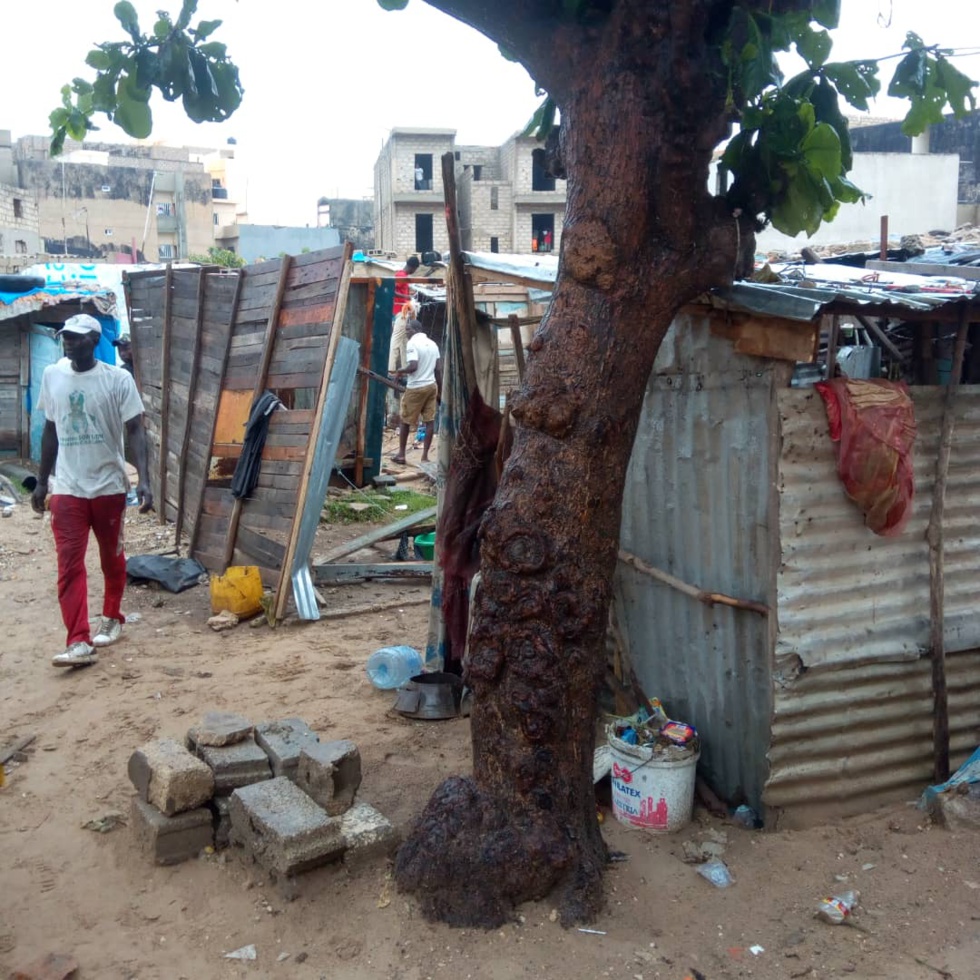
378, 534
23, 338
515, 333
337, 574
263, 550
165, 390
321, 313
285, 577
784, 340
362, 399
233, 412
260, 383
191, 392
307, 380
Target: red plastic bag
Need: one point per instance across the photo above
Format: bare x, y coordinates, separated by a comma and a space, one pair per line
873, 424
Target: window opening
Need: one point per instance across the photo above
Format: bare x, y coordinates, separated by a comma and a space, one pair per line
423, 171
423, 233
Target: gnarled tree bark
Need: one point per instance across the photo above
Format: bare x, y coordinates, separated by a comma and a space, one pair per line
642, 95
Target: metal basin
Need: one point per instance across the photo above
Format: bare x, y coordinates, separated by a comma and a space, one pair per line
430, 696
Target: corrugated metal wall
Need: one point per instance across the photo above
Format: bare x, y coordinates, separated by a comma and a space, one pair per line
846, 594
856, 723
697, 505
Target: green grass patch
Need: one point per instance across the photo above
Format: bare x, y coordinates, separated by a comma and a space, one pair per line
336, 510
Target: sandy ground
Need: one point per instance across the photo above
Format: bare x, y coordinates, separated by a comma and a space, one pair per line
66, 889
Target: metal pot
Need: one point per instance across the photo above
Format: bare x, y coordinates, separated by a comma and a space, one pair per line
430, 696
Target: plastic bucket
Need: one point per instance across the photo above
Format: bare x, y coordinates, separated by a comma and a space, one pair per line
652, 790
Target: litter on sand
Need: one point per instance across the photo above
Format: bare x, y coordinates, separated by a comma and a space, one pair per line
243, 953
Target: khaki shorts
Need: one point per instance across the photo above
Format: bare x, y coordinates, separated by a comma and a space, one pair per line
418, 402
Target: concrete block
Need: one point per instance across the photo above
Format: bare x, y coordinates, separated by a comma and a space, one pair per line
330, 773
235, 765
282, 829
384, 480
283, 741
168, 776
367, 834
170, 840
220, 728
221, 820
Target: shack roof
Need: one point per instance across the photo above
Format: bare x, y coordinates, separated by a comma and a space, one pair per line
803, 292
44, 297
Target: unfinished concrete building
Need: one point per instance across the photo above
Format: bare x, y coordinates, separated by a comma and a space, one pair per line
508, 201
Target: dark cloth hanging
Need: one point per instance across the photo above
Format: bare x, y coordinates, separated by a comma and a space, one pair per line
250, 461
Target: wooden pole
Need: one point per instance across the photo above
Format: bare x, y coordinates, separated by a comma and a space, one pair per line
874, 329
240, 276
168, 284
708, 598
883, 239
286, 575
268, 345
185, 441
455, 282
362, 401
832, 346
514, 323
937, 577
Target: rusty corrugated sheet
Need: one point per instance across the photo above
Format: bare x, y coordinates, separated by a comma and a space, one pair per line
697, 505
863, 732
846, 594
852, 717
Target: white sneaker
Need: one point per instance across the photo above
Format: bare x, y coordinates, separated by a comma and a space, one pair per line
79, 654
109, 631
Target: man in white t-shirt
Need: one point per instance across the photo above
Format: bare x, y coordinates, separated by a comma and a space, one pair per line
88, 405
423, 389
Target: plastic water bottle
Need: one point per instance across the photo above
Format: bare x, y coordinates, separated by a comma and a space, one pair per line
390, 667
420, 433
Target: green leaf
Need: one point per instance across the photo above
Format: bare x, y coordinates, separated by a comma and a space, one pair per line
126, 15
956, 85
543, 120
911, 75
826, 13
739, 146
132, 113
507, 54
213, 49
827, 109
99, 60
206, 28
163, 26
393, 4
799, 208
187, 11
821, 151
847, 192
857, 81
814, 47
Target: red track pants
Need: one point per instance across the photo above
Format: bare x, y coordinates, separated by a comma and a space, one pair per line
71, 520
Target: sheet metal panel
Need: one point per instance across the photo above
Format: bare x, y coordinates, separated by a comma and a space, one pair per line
697, 504
846, 594
862, 733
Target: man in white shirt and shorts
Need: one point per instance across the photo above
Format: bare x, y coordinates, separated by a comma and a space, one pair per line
423, 389
88, 405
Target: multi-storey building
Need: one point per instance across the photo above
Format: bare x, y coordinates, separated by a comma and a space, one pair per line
149, 200
508, 202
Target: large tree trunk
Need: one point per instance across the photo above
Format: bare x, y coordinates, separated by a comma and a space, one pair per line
642, 109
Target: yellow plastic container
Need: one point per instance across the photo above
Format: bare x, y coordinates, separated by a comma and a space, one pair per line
239, 591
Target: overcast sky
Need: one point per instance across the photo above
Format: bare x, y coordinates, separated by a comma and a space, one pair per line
325, 81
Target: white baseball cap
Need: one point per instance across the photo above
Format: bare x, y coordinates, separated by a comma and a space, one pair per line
81, 323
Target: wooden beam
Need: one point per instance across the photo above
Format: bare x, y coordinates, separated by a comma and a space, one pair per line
456, 282
268, 345
168, 281
185, 441
381, 379
18, 746
286, 573
883, 338
515, 333
378, 534
362, 399
214, 418
24, 346
337, 574
937, 566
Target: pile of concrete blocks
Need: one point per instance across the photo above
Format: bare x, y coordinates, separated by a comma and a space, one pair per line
274, 790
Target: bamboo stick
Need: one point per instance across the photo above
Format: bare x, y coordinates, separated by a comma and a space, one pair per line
168, 283
708, 598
